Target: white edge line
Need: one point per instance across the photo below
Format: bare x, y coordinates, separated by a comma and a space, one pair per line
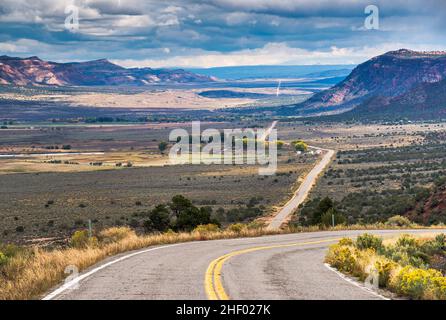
344, 277
76, 280
70, 284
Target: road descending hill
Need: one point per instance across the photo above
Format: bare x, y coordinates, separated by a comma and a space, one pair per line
271, 267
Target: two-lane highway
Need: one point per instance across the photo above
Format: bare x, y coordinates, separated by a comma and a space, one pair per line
271, 267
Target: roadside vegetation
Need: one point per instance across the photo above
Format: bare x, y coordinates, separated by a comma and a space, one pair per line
408, 266
28, 272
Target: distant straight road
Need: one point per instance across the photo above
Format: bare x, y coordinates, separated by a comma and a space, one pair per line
272, 267
302, 192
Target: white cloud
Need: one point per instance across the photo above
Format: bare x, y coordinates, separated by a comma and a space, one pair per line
23, 46
135, 21
272, 54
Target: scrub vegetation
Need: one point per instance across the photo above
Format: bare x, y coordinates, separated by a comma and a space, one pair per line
408, 266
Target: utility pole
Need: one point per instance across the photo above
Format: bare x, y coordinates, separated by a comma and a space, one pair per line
89, 229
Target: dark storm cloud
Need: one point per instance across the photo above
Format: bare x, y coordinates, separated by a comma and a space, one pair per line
166, 31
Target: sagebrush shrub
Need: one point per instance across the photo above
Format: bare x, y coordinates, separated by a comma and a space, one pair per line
368, 241
399, 221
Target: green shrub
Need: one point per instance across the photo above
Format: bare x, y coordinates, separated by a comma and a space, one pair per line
159, 219
327, 218
406, 241
368, 241
408, 251
399, 221
436, 246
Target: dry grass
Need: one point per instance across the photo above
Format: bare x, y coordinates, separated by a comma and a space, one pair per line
34, 271
28, 275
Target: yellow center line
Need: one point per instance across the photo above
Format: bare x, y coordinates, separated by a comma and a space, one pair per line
212, 281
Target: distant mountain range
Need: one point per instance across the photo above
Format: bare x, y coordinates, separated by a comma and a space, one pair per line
400, 82
275, 72
34, 71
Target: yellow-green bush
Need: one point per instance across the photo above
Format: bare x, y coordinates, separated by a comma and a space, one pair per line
80, 239
438, 290
368, 241
385, 268
397, 265
341, 257
3, 258
346, 242
415, 282
237, 227
206, 228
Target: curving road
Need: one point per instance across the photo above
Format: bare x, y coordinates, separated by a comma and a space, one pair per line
271, 267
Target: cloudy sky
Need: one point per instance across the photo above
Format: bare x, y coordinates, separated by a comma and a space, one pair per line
208, 33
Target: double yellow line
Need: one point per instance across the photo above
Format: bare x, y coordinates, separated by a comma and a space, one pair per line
212, 281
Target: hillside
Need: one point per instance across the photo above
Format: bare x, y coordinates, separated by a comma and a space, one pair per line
425, 101
34, 71
387, 76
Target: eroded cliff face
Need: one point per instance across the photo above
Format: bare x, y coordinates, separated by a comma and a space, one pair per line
389, 75
34, 71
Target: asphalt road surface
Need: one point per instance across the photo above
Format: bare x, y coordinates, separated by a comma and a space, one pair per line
302, 192
271, 267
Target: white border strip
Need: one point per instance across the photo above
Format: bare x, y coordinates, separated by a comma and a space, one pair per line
355, 283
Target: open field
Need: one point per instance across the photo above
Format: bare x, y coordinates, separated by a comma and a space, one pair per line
52, 195
341, 136
53, 204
